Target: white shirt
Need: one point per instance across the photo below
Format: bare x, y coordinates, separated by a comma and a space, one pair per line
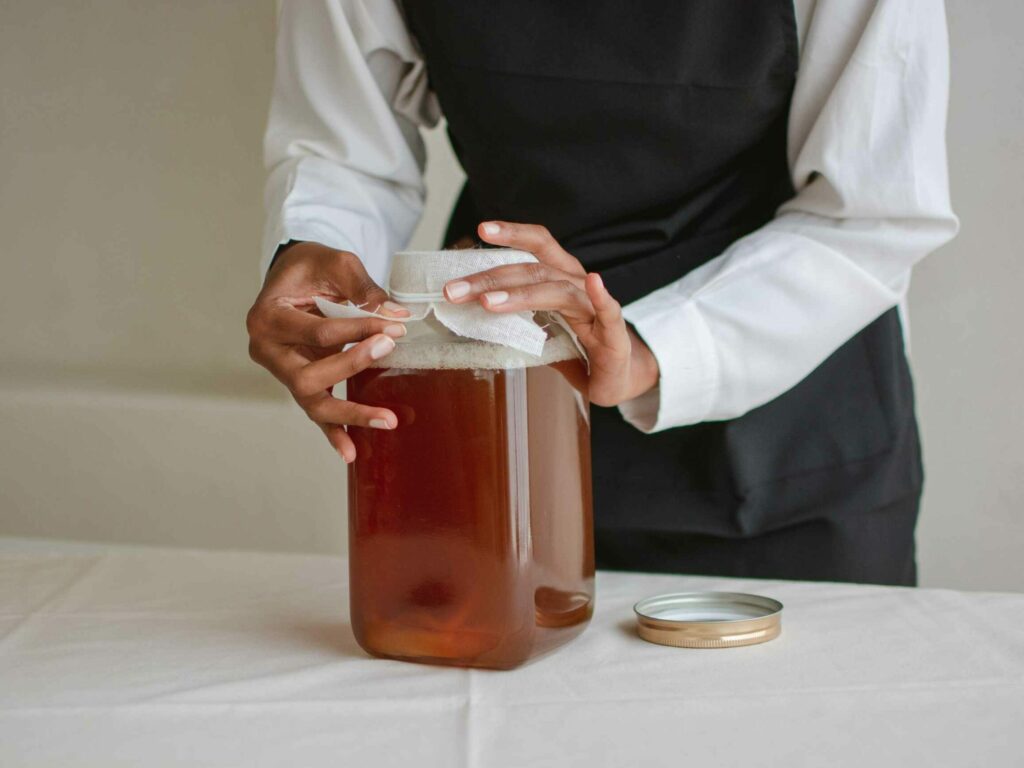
866, 152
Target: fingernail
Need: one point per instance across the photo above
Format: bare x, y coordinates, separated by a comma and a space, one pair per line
395, 331
381, 347
457, 290
494, 298
380, 424
491, 228
390, 306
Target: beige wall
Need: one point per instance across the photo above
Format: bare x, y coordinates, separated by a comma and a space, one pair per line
130, 207
967, 316
130, 210
130, 149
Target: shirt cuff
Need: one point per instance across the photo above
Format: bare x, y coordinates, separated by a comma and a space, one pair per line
335, 235
688, 366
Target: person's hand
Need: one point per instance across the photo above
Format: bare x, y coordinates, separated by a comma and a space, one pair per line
303, 349
621, 365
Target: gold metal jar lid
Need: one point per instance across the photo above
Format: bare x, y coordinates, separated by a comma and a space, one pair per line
708, 619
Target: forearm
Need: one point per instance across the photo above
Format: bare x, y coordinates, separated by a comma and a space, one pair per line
867, 154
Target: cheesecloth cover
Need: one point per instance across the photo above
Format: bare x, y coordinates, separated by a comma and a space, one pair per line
417, 280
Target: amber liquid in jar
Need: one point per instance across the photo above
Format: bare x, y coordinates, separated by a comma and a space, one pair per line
470, 525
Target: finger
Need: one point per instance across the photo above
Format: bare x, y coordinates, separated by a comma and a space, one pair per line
559, 296
345, 271
607, 310
340, 441
327, 409
533, 238
293, 326
607, 313
284, 361
277, 358
311, 378
502, 278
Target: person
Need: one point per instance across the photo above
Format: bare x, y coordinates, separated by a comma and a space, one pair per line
726, 200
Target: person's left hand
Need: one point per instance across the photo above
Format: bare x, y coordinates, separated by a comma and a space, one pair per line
621, 365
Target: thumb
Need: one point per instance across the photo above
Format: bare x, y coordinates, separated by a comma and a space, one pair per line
608, 314
350, 276
607, 310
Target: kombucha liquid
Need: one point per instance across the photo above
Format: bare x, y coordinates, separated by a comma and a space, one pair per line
470, 525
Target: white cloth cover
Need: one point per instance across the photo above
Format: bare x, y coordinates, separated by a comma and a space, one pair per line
417, 280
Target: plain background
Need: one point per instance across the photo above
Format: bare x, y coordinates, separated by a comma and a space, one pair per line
130, 213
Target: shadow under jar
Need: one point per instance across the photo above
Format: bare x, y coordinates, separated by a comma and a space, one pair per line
470, 525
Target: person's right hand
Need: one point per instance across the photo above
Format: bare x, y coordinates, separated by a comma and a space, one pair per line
303, 349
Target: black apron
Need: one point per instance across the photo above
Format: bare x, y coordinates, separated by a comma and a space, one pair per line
648, 136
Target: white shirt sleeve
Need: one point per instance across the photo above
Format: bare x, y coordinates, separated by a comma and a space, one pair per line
342, 145
867, 155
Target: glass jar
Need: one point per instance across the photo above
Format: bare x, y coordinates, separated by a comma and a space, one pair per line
470, 524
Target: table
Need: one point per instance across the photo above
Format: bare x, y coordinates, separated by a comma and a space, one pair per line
139, 656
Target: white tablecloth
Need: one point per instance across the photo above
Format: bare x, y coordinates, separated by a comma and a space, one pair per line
155, 657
